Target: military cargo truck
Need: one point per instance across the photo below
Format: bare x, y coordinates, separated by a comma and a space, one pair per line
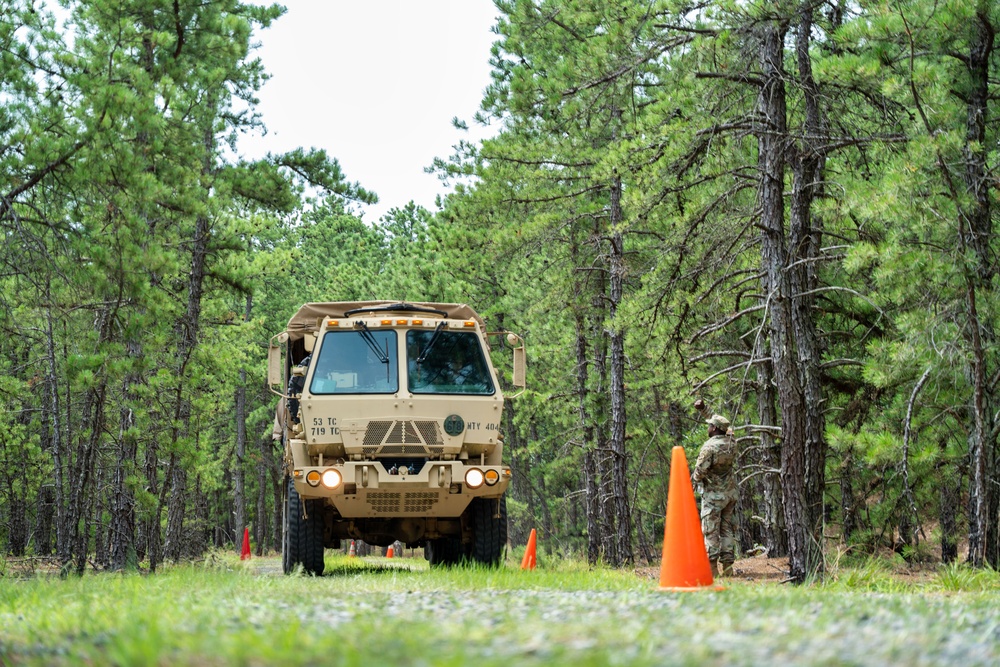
390, 418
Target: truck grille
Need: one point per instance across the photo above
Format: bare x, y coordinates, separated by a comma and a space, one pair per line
402, 503
430, 432
376, 432
414, 438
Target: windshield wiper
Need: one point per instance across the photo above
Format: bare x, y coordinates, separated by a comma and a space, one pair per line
366, 334
430, 343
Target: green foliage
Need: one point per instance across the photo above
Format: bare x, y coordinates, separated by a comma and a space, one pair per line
873, 575
132, 251
960, 578
145, 268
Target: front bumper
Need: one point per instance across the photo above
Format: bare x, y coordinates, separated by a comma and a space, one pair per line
367, 489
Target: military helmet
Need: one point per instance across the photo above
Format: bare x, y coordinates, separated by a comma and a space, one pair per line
718, 421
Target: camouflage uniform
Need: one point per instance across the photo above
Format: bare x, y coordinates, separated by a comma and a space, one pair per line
296, 383
716, 472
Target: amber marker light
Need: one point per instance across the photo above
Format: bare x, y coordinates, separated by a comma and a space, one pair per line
402, 321
386, 321
312, 478
332, 323
417, 323
332, 478
492, 477
470, 324
474, 478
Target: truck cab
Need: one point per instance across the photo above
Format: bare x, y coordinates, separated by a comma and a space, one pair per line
392, 430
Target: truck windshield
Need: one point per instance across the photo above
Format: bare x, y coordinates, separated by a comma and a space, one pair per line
453, 365
356, 362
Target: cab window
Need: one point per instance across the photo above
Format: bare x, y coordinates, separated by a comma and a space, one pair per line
358, 361
446, 362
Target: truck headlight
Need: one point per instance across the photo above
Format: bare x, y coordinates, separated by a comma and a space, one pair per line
312, 478
474, 478
332, 478
492, 477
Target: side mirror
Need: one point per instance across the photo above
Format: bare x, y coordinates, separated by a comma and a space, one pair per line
274, 365
520, 360
520, 367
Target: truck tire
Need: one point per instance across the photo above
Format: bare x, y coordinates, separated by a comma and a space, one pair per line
444, 551
303, 535
489, 529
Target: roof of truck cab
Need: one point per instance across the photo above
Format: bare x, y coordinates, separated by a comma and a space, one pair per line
308, 317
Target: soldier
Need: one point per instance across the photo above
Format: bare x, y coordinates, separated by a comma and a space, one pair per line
715, 471
296, 383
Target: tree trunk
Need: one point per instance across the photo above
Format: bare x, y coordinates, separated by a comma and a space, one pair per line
771, 134
92, 432
264, 463
593, 508
804, 249
201, 537
605, 472
44, 524
152, 540
239, 472
173, 546
188, 330
775, 535
17, 523
55, 437
585, 419
948, 502
616, 336
599, 407
122, 495
976, 233
592, 504
102, 556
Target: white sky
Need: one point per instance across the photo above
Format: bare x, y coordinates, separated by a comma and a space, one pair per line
376, 83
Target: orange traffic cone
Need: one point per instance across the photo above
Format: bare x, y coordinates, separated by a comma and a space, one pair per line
685, 565
352, 553
389, 552
528, 561
245, 553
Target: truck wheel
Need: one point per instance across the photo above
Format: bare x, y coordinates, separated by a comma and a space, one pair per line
303, 541
489, 526
445, 551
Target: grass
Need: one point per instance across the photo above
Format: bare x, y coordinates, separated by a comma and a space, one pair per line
375, 611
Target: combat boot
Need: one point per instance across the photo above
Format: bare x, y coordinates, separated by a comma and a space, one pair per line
714, 564
727, 569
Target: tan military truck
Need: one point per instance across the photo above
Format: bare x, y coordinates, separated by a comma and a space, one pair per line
391, 429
